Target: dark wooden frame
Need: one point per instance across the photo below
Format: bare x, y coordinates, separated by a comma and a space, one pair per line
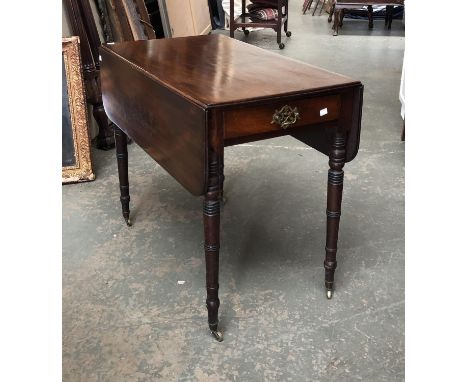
83, 25
134, 20
245, 21
122, 20
105, 17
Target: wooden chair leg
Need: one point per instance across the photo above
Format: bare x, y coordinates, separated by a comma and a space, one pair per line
122, 164
332, 11
246, 31
321, 8
370, 15
389, 16
316, 6
334, 196
278, 26
288, 33
231, 19
306, 6
336, 21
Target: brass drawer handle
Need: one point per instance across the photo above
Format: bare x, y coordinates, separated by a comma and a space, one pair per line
286, 116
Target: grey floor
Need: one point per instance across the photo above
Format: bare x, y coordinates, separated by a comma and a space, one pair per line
126, 317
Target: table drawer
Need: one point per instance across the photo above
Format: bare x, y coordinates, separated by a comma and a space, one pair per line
281, 115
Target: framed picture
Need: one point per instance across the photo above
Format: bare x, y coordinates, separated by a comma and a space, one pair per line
76, 155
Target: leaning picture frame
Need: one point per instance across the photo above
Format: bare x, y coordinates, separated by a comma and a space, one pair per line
76, 148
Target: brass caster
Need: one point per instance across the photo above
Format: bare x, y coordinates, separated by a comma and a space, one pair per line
281, 45
329, 294
217, 335
288, 34
129, 222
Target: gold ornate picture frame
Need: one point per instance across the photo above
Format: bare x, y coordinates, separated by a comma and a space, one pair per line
76, 154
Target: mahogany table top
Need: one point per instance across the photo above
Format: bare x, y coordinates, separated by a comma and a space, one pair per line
215, 70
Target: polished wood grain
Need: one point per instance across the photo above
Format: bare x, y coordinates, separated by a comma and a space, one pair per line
183, 100
216, 70
349, 120
168, 127
257, 119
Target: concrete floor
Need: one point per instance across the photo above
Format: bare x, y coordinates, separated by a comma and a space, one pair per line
126, 318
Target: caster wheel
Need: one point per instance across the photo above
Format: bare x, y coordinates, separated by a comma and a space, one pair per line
217, 335
288, 34
329, 294
246, 32
281, 46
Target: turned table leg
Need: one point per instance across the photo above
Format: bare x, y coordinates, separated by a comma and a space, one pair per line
334, 194
211, 218
122, 163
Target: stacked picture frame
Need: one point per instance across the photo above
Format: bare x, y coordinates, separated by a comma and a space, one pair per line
76, 147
